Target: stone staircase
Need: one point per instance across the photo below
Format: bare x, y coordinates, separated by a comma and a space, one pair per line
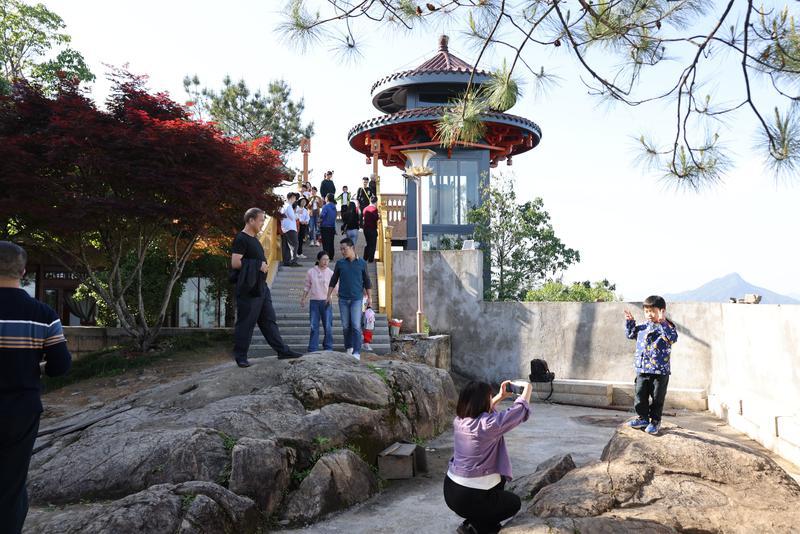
293, 320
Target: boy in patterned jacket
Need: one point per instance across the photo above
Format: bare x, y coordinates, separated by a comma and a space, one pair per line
654, 340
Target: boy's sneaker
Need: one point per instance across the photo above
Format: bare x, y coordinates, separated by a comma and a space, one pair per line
653, 427
366, 347
357, 356
302, 256
639, 423
349, 351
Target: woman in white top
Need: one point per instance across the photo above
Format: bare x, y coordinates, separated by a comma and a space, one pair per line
303, 218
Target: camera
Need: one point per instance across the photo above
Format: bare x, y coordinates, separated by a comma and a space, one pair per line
516, 387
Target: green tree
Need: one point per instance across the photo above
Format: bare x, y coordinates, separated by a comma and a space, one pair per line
241, 113
615, 47
519, 240
34, 46
555, 291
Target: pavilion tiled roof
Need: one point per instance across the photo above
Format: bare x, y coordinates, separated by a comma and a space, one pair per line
435, 113
443, 62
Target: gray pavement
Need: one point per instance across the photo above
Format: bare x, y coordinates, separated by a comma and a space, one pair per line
417, 505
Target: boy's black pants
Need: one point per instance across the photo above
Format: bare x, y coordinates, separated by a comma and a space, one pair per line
484, 509
16, 445
650, 385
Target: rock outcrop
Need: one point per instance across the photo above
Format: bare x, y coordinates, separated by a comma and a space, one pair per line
338, 480
245, 429
679, 481
187, 508
550, 471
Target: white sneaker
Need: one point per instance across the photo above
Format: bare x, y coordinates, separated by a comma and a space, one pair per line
302, 256
366, 347
357, 356
349, 351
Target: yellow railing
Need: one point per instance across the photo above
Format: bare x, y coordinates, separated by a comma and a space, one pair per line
271, 242
384, 248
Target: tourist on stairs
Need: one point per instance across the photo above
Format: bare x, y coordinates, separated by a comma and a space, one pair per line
253, 298
315, 289
351, 275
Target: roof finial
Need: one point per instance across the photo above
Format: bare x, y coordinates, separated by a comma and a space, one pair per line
443, 43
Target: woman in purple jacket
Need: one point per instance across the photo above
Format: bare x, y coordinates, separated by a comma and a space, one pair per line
479, 468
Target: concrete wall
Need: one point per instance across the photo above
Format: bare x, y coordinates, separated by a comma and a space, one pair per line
746, 357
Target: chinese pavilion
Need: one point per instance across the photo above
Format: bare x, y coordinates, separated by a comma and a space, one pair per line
412, 102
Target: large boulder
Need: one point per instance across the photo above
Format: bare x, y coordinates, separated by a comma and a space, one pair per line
585, 525
225, 423
187, 508
325, 378
551, 470
109, 465
685, 480
261, 470
338, 480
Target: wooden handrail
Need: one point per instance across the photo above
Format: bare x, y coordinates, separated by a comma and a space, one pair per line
271, 242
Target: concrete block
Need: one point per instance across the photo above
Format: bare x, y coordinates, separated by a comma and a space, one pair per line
401, 460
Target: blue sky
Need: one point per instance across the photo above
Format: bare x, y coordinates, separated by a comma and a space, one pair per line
629, 226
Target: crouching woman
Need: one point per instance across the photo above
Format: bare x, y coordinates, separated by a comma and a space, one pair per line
480, 468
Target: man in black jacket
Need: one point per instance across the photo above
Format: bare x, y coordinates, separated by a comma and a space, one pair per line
253, 298
31, 342
327, 186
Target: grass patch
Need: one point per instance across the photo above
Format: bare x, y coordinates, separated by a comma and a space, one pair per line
380, 372
187, 500
115, 361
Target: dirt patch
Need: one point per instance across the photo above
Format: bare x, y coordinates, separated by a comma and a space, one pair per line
99, 391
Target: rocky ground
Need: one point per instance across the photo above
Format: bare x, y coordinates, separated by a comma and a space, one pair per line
679, 481
229, 449
283, 444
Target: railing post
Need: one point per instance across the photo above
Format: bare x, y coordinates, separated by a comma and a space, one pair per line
387, 269
271, 242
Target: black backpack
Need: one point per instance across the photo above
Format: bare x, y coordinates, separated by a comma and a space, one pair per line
540, 372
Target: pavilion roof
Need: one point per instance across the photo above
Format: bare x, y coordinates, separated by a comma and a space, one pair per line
442, 63
434, 113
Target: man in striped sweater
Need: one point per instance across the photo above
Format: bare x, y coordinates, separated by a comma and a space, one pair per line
31, 341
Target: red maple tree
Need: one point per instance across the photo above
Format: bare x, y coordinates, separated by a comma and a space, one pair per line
93, 186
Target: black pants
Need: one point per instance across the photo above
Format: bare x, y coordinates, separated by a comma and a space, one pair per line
16, 444
301, 237
371, 235
289, 247
249, 312
484, 509
328, 235
650, 385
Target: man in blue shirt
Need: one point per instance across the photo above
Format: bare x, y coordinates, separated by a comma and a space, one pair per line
31, 343
354, 285
327, 224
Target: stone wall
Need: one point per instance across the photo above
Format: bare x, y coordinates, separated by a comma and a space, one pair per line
746, 357
82, 340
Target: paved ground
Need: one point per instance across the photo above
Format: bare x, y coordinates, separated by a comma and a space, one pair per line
417, 505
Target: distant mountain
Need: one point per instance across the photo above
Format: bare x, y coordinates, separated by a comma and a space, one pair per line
732, 285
